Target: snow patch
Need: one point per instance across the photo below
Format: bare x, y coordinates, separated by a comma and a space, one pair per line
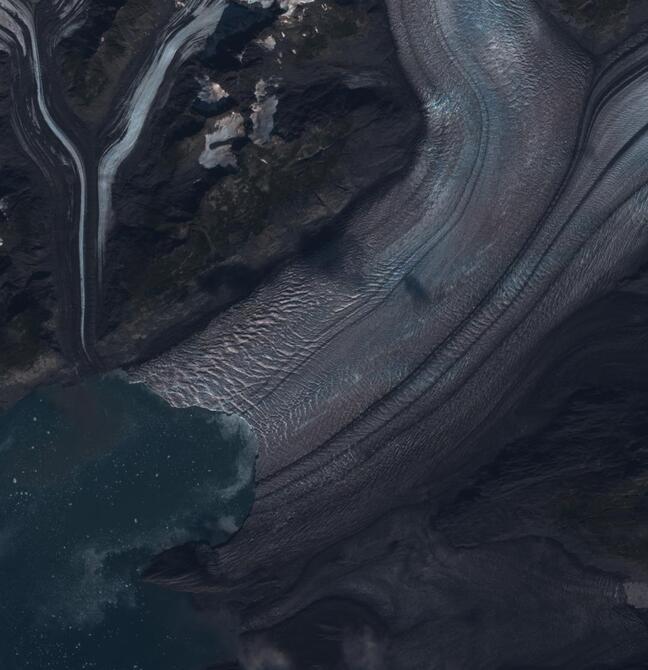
289, 6
211, 91
269, 43
263, 111
218, 148
266, 4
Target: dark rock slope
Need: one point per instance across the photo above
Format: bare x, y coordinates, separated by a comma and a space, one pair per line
29, 309
279, 125
252, 150
599, 25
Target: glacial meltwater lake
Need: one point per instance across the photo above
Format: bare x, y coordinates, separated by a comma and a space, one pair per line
96, 479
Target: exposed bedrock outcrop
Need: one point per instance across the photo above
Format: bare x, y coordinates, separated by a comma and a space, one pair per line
206, 143
26, 290
267, 136
598, 25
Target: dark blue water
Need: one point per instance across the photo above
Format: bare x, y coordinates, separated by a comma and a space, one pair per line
94, 481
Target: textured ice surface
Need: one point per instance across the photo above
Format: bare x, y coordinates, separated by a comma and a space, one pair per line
526, 200
367, 371
368, 379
